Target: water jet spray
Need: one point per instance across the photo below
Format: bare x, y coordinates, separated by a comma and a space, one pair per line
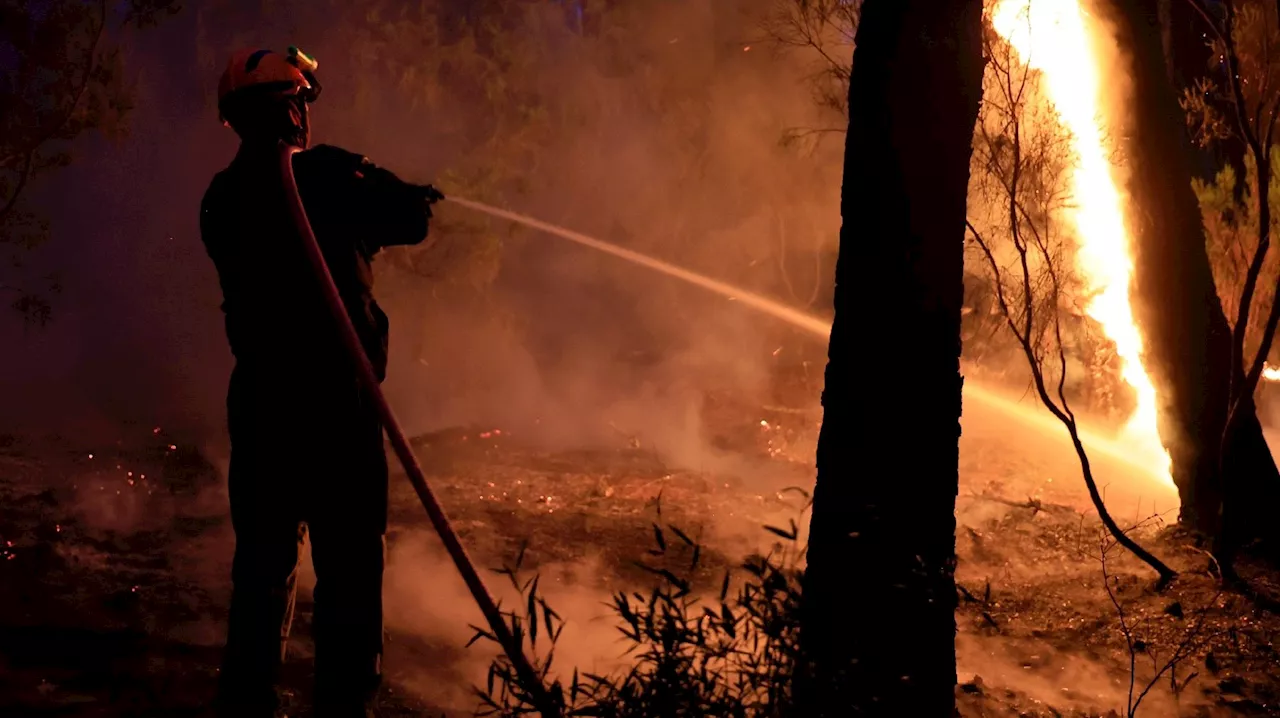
817, 326
796, 318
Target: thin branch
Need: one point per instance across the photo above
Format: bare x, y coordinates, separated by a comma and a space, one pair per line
59, 125
1124, 627
1026, 237
1262, 163
1065, 415
1271, 122
817, 278
23, 176
782, 255
803, 24
1259, 360
1180, 654
1208, 21
799, 132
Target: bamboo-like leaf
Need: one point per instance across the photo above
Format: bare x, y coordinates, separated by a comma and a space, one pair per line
784, 533
659, 539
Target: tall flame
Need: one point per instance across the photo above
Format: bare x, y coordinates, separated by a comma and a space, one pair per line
1053, 37
1271, 373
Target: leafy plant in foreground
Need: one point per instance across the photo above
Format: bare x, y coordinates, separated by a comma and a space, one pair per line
733, 654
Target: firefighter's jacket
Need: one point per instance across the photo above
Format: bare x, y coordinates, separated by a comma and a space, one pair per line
277, 322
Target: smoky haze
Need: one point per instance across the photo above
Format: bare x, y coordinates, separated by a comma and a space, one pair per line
661, 131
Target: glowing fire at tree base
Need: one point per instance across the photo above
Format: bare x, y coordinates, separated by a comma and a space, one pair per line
1053, 37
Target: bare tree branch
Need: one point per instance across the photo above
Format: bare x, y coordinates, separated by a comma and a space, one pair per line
23, 176
1192, 638
56, 128
1033, 281
1062, 411
825, 28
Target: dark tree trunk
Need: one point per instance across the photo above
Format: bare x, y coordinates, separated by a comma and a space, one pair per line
1188, 338
879, 610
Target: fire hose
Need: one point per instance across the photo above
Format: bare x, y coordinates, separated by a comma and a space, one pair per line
525, 672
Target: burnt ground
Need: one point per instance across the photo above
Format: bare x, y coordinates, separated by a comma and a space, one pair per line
113, 569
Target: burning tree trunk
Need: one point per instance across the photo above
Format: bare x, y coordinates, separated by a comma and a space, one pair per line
878, 623
1189, 342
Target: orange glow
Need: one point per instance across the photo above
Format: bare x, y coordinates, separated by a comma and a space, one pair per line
1053, 37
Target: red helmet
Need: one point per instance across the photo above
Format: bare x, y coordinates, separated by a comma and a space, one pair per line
293, 73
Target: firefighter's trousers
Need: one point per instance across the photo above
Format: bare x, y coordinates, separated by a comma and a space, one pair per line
304, 462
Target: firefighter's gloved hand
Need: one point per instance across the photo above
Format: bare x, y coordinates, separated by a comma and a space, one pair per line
431, 194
